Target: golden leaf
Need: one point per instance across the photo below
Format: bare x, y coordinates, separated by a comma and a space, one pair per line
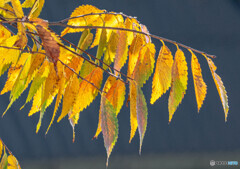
69, 97
82, 21
134, 49
199, 84
179, 82
133, 109
163, 73
87, 92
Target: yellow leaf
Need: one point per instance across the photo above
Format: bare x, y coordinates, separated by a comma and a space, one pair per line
134, 49
13, 73
69, 97
13, 163
58, 100
111, 49
109, 20
87, 92
51, 84
36, 10
199, 84
39, 79
129, 25
4, 33
1, 148
17, 8
163, 73
220, 87
145, 64
82, 21
5, 59
179, 82
133, 109
8, 7
122, 51
73, 121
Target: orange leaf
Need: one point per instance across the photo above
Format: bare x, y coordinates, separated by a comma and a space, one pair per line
199, 84
179, 82
163, 73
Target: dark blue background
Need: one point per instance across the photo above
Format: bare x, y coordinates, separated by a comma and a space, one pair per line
212, 26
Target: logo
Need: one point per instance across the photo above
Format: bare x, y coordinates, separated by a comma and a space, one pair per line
212, 163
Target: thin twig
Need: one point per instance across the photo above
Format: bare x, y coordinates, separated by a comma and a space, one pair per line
135, 31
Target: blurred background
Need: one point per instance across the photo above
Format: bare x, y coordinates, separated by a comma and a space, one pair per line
191, 140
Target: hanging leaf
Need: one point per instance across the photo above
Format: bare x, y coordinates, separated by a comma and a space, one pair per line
69, 97
179, 82
121, 52
220, 87
115, 94
111, 49
134, 49
199, 84
142, 113
17, 8
87, 92
163, 73
145, 64
133, 109
109, 125
36, 9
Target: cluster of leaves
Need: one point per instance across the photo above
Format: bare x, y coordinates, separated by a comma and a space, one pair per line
7, 161
54, 67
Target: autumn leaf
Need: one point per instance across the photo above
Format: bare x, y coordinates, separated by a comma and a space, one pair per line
109, 125
133, 110
145, 64
121, 51
115, 94
199, 84
220, 87
49, 44
13, 163
87, 92
111, 49
133, 53
142, 113
69, 97
163, 73
82, 21
36, 9
4, 161
179, 82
